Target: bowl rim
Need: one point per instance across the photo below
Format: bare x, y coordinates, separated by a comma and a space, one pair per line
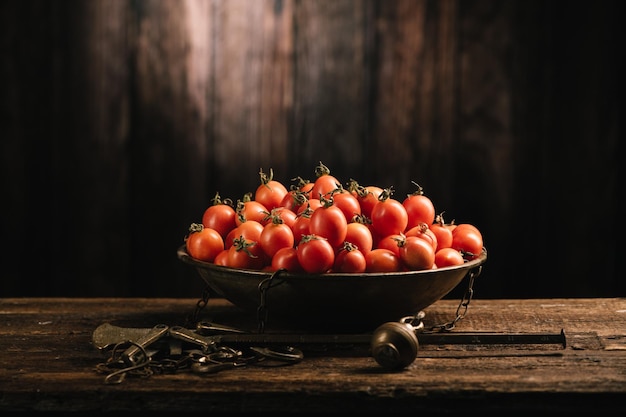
184, 256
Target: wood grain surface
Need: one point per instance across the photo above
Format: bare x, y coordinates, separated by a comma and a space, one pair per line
48, 363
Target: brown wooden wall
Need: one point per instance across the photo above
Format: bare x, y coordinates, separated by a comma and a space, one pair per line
120, 120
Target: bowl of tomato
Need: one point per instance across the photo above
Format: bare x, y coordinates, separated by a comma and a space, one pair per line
319, 254
332, 301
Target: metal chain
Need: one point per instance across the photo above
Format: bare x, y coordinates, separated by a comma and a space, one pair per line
461, 310
262, 310
116, 369
193, 319
195, 360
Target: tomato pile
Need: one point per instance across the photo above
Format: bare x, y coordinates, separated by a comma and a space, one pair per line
323, 227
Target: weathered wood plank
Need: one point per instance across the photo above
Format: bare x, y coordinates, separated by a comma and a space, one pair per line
403, 92
250, 101
330, 88
47, 363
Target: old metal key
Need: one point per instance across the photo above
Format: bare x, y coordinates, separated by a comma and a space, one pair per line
131, 355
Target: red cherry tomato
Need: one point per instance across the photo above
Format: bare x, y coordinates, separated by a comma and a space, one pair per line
270, 192
311, 204
250, 230
348, 204
220, 216
388, 215
294, 200
303, 185
463, 226
287, 259
287, 216
391, 242
416, 253
381, 260
315, 254
467, 239
301, 225
349, 259
448, 257
324, 182
276, 235
329, 222
203, 243
248, 209
221, 258
246, 254
367, 196
423, 231
443, 233
419, 208
359, 235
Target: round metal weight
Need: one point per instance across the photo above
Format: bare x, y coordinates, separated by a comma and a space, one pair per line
394, 345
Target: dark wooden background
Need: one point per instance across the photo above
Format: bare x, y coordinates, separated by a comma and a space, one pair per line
120, 120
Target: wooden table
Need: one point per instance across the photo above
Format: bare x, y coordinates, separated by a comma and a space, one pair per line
48, 363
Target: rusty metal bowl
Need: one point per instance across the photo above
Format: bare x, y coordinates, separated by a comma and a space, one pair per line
333, 301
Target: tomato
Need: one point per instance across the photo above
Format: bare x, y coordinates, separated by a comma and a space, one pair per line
315, 254
448, 257
367, 196
203, 243
293, 200
221, 258
419, 208
464, 226
329, 222
301, 225
276, 235
302, 185
416, 253
423, 231
248, 209
312, 204
368, 223
323, 186
246, 254
468, 240
270, 193
250, 230
276, 227
349, 259
324, 182
287, 216
359, 235
220, 216
388, 215
348, 204
287, 259
381, 260
391, 242
443, 233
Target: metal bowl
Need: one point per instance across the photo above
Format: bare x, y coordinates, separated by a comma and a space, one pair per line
333, 301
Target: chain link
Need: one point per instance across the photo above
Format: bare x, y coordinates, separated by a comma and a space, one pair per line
262, 310
193, 318
461, 310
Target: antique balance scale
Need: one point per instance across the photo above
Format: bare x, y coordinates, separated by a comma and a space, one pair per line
379, 314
